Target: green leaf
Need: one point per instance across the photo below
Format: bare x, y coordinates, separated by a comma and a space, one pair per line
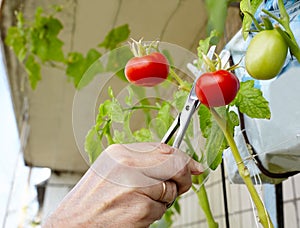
176, 206
33, 70
93, 144
16, 39
251, 102
163, 120
215, 145
232, 121
215, 139
119, 137
180, 99
117, 60
115, 37
251, 7
204, 45
116, 112
83, 69
205, 120
44, 41
125, 134
143, 135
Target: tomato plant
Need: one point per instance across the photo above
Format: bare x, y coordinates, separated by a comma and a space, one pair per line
266, 55
147, 70
217, 88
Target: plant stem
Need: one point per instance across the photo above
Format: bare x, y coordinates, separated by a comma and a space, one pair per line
204, 203
263, 215
285, 21
152, 107
201, 192
181, 83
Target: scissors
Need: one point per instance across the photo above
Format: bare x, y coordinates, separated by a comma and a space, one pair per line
182, 120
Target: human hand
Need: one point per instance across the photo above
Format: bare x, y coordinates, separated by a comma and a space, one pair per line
128, 185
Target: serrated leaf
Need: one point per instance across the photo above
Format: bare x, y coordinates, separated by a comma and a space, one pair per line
116, 112
115, 37
163, 120
164, 113
93, 144
251, 102
180, 97
33, 70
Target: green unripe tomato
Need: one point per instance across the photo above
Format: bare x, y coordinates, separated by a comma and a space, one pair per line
266, 55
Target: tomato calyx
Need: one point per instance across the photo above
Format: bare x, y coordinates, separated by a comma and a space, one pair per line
212, 65
217, 86
139, 49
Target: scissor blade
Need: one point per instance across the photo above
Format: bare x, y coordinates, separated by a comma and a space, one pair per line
172, 129
186, 114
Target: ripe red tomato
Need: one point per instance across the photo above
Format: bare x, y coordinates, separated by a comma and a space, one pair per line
218, 88
148, 70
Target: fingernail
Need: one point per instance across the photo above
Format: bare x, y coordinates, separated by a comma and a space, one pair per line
198, 168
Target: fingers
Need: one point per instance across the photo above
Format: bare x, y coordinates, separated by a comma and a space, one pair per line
164, 192
183, 176
176, 166
146, 164
150, 211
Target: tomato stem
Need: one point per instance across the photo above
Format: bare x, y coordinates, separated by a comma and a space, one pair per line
268, 24
257, 25
182, 84
263, 215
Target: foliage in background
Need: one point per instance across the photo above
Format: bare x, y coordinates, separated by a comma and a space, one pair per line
36, 43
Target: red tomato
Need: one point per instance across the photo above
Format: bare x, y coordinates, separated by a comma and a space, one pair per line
218, 88
148, 70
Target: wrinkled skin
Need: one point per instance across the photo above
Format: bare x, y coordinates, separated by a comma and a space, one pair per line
123, 188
